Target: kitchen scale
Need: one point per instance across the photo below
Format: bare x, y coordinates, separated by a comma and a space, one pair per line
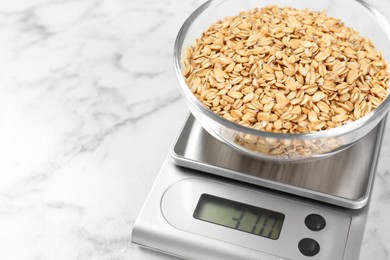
211, 202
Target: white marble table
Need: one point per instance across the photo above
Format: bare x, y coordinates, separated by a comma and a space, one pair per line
89, 106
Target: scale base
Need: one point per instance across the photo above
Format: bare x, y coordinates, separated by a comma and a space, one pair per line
155, 229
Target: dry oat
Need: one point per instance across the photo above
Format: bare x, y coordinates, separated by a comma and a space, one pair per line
278, 53
286, 70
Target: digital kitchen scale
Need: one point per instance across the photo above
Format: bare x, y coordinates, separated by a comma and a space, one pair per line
211, 202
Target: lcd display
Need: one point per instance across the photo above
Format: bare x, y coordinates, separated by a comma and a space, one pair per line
240, 216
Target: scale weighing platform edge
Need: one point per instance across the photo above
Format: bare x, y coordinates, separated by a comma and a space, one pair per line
193, 212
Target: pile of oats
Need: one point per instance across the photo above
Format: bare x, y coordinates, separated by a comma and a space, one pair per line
286, 70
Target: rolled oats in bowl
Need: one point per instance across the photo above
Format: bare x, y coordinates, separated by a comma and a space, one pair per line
289, 71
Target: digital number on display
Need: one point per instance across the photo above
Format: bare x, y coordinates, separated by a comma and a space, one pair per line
240, 216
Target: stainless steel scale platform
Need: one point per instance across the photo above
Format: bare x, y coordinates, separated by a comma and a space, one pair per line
343, 179
314, 210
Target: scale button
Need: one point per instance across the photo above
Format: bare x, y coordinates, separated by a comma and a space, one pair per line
315, 222
309, 247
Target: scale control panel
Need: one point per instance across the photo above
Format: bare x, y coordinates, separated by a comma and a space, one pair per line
255, 220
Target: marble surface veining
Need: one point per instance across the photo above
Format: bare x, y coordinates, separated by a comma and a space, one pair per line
89, 106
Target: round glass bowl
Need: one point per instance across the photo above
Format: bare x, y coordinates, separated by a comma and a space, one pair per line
283, 147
